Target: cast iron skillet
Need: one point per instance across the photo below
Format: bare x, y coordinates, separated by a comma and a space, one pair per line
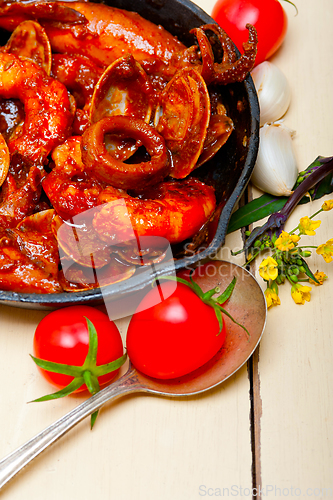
229, 171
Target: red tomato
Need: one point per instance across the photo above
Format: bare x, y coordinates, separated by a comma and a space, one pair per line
267, 16
62, 337
174, 337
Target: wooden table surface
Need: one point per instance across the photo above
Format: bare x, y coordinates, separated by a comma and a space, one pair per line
268, 427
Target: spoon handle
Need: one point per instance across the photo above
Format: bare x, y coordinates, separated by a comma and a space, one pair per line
15, 461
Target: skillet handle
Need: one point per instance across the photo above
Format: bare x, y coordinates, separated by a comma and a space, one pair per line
19, 458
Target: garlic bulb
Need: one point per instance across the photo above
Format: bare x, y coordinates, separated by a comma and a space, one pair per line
275, 171
273, 91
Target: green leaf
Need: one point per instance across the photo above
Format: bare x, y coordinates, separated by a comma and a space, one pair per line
219, 318
93, 419
90, 361
110, 367
207, 296
324, 187
232, 319
291, 3
191, 284
174, 278
256, 210
268, 204
71, 370
73, 386
227, 292
196, 287
91, 382
308, 271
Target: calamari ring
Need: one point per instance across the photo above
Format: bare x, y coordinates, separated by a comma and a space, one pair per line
48, 110
108, 169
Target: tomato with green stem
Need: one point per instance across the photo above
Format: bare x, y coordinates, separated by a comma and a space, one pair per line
267, 16
77, 348
175, 331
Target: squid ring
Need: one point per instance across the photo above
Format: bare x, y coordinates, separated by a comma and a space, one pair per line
107, 168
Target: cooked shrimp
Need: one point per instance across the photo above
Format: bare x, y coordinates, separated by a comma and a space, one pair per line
107, 34
174, 210
48, 113
111, 33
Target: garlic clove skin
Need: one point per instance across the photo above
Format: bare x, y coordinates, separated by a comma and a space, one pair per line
273, 89
275, 171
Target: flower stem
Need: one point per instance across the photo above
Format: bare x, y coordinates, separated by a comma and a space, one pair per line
252, 258
308, 246
316, 213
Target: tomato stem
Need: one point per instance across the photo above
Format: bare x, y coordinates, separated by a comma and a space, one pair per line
291, 3
208, 297
227, 292
91, 382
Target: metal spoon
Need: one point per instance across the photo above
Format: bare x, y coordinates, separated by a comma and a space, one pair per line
247, 305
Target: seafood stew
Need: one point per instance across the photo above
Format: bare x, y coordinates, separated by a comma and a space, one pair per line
225, 173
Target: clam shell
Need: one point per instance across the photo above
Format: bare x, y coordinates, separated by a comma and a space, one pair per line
76, 278
184, 119
79, 242
30, 40
123, 89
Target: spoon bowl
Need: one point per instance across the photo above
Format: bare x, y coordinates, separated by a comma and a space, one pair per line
247, 306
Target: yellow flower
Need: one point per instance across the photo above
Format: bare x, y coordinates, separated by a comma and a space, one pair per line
321, 277
308, 226
327, 205
272, 298
286, 241
268, 269
300, 293
326, 250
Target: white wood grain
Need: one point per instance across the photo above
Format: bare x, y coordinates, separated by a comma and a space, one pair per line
295, 365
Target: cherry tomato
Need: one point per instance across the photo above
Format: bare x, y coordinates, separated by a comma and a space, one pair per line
174, 337
62, 337
267, 16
